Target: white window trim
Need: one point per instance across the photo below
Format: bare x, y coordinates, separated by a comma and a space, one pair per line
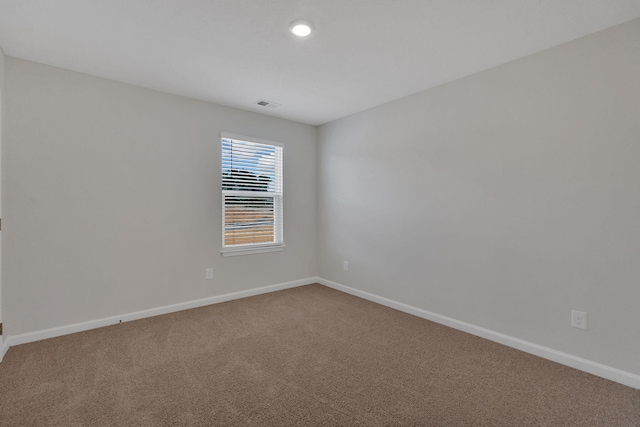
255, 248
250, 139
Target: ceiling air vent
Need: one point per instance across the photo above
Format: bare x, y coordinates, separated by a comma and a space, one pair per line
267, 104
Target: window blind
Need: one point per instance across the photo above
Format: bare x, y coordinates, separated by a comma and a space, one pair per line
252, 193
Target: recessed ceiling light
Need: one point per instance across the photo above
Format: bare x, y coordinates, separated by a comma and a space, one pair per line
301, 27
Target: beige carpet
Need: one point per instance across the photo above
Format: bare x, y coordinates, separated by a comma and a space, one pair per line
308, 356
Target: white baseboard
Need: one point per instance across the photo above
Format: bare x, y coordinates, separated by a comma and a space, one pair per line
595, 368
4, 347
10, 341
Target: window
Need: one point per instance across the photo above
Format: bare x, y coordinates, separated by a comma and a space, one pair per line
251, 195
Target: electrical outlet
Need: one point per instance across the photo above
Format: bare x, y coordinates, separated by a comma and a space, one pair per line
208, 274
345, 265
579, 319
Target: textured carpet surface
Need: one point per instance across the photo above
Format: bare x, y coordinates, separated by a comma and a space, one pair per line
309, 356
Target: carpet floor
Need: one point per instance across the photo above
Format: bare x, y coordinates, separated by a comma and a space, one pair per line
308, 356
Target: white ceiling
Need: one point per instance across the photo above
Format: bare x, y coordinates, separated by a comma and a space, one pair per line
235, 52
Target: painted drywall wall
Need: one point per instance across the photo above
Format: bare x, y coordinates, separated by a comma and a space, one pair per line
113, 203
504, 199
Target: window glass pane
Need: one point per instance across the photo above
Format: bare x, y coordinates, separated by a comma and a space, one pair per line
249, 220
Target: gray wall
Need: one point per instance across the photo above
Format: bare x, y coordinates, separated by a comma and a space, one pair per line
113, 203
504, 199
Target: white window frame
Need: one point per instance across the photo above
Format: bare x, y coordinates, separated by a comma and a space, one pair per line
278, 204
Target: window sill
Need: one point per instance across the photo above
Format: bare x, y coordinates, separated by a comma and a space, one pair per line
251, 250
